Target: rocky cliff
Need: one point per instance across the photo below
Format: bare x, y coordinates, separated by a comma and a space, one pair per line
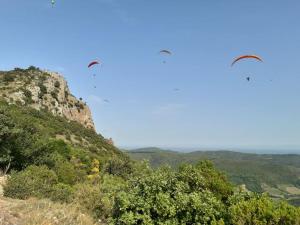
44, 90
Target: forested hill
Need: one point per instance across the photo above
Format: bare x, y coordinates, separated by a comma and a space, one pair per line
278, 175
26, 129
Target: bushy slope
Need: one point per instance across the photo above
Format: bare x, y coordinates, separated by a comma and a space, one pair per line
28, 129
50, 157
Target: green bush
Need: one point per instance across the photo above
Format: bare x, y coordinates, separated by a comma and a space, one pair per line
88, 196
48, 152
37, 181
98, 197
8, 78
33, 68
66, 172
261, 210
122, 167
28, 96
15, 142
43, 90
174, 197
62, 193
34, 181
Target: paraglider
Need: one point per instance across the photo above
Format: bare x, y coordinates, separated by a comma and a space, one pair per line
93, 63
90, 65
106, 100
165, 52
246, 57
176, 89
53, 2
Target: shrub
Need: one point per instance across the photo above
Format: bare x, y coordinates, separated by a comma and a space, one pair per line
257, 209
119, 167
49, 152
17, 69
170, 197
56, 84
66, 172
33, 68
34, 181
97, 198
27, 93
43, 90
28, 96
54, 95
62, 193
88, 196
8, 77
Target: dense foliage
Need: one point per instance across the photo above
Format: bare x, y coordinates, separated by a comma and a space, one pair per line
28, 136
191, 195
279, 175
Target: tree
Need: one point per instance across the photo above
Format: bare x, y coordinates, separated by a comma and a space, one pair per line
8, 134
165, 196
257, 209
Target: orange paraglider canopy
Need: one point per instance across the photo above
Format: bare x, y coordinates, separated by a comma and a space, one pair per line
246, 57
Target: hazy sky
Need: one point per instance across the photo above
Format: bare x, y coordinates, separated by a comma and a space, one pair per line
215, 106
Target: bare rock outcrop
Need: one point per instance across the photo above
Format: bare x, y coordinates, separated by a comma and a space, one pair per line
44, 90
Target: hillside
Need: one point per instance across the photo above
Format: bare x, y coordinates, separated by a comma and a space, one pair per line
39, 116
279, 175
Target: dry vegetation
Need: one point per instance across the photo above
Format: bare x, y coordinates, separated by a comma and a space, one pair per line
40, 212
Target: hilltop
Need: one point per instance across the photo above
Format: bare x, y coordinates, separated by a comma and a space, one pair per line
44, 90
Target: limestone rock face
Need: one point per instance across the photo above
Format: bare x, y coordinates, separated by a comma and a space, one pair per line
44, 90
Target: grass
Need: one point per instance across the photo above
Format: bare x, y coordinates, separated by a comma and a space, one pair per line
41, 212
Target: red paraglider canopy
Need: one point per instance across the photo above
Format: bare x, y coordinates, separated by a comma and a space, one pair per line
246, 57
93, 63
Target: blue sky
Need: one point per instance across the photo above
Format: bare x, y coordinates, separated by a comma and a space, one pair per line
215, 107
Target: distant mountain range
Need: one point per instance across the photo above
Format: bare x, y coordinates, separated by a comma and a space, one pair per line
279, 175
